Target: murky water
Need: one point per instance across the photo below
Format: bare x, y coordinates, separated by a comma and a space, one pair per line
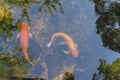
78, 21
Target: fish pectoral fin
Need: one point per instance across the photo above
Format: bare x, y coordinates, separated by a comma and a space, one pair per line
18, 35
49, 44
66, 52
76, 45
30, 35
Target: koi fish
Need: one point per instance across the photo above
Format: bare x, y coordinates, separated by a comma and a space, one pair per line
24, 39
68, 40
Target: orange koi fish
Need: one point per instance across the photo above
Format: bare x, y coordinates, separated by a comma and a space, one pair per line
68, 40
24, 39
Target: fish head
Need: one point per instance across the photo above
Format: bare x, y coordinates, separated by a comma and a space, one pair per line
24, 26
75, 53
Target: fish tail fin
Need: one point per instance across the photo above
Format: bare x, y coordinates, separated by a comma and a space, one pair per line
30, 62
49, 44
52, 40
27, 58
26, 55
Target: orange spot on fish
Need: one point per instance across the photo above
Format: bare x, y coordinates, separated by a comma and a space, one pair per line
75, 53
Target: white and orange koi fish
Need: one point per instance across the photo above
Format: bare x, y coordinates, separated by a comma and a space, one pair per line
24, 39
68, 40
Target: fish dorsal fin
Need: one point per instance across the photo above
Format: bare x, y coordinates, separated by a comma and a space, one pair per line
66, 52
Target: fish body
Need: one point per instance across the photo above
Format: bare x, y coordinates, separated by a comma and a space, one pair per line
24, 39
68, 40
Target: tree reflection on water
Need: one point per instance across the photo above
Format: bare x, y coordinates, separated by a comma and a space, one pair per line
108, 71
12, 65
108, 27
7, 13
108, 23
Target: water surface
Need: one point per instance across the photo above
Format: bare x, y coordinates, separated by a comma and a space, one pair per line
78, 21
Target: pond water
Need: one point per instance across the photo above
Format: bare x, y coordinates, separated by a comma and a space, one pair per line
78, 21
